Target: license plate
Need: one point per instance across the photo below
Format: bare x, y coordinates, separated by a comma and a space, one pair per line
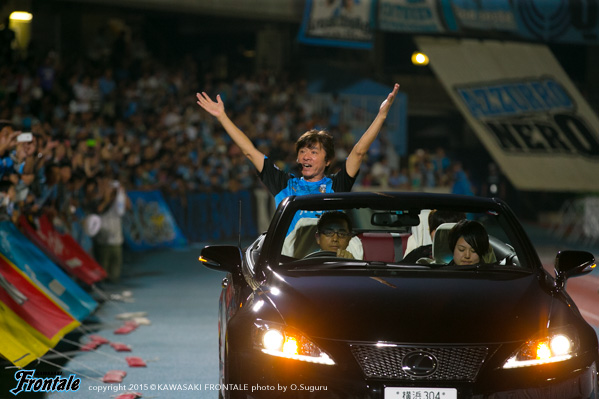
420, 393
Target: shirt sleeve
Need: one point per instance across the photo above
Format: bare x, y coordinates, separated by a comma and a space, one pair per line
342, 182
273, 178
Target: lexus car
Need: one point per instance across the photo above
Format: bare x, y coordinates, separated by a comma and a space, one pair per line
299, 321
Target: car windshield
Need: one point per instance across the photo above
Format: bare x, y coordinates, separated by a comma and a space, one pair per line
402, 238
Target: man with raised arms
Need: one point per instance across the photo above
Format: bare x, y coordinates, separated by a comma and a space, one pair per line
314, 149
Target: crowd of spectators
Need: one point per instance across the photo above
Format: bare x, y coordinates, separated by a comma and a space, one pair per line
119, 114
423, 170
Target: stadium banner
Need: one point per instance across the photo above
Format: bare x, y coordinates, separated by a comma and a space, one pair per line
338, 23
423, 16
63, 250
18, 344
26, 310
150, 224
537, 20
44, 273
524, 109
550, 21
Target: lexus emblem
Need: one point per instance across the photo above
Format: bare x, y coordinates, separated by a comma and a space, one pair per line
419, 364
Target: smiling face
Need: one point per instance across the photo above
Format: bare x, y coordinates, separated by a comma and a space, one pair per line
464, 254
313, 161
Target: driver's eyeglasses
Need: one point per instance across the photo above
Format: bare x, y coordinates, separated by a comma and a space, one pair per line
340, 233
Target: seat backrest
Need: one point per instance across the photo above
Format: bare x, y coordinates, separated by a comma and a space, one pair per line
384, 247
301, 241
442, 254
305, 241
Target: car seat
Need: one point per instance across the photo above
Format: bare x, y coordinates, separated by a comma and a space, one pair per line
442, 254
383, 246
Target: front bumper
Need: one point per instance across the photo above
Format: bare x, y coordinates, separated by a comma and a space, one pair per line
271, 377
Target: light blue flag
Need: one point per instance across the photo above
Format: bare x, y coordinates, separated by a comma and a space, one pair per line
150, 224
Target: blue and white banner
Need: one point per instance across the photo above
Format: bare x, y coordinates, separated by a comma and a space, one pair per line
50, 278
569, 21
525, 110
414, 16
150, 223
549, 21
339, 23
497, 16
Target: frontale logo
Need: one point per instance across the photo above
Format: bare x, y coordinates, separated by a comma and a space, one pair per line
419, 364
27, 382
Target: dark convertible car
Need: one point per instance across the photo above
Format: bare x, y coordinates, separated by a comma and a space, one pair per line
299, 321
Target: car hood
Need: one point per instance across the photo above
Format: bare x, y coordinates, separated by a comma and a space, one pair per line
459, 307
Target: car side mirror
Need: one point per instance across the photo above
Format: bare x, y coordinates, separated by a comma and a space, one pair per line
223, 258
571, 264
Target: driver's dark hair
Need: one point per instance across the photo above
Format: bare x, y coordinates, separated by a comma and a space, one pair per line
474, 234
313, 137
437, 217
331, 216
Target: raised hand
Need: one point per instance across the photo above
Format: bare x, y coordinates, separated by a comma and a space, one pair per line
386, 105
216, 109
7, 141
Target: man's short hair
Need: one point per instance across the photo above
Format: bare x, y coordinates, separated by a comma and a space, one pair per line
313, 137
437, 217
329, 217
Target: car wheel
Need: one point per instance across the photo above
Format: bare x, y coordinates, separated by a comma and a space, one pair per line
226, 379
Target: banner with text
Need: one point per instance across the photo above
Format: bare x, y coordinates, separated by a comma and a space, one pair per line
552, 21
338, 23
30, 322
422, 16
62, 249
44, 273
524, 109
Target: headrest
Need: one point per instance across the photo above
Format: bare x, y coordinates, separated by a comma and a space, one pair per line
441, 251
301, 241
380, 247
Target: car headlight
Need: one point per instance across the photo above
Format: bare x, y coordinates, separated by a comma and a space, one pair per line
555, 346
282, 341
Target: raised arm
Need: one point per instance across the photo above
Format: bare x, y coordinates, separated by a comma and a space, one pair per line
217, 109
357, 154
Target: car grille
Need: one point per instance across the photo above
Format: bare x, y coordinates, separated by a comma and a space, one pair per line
460, 363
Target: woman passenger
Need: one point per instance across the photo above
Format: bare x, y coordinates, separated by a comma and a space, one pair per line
469, 242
